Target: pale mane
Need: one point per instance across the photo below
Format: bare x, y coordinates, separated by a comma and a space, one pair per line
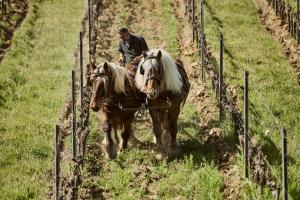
172, 80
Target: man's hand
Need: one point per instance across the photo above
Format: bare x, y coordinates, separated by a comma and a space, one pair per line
121, 60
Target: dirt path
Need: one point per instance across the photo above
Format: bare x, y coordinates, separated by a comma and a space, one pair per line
16, 13
211, 135
206, 105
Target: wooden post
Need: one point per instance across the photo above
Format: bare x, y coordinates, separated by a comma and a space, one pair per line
295, 28
292, 25
280, 9
284, 165
4, 8
221, 77
278, 194
57, 162
276, 7
202, 41
81, 68
197, 33
298, 7
298, 23
298, 33
74, 114
289, 20
246, 75
193, 18
90, 9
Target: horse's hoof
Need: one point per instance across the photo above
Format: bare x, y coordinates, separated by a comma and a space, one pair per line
174, 151
111, 156
161, 156
134, 141
110, 152
121, 149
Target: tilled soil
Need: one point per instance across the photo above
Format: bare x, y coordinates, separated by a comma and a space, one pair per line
206, 105
276, 27
16, 13
144, 18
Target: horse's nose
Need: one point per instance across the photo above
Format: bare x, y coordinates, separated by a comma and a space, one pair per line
153, 94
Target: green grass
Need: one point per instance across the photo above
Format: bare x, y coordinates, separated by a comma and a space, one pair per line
293, 4
120, 20
34, 82
274, 91
251, 190
171, 27
137, 174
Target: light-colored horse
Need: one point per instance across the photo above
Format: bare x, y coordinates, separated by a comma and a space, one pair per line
165, 82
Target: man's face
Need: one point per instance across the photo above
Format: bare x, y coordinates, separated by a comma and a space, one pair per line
124, 36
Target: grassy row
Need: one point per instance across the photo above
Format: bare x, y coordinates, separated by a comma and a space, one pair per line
293, 4
34, 81
137, 174
274, 91
171, 27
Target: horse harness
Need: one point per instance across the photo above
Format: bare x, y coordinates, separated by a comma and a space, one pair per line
112, 99
161, 71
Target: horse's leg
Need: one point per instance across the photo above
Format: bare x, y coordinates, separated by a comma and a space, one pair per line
157, 130
108, 142
162, 119
164, 124
114, 124
172, 126
125, 135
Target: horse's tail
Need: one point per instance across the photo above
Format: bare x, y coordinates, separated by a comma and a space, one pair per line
183, 103
185, 80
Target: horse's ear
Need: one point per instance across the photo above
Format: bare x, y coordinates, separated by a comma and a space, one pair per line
159, 55
105, 66
145, 54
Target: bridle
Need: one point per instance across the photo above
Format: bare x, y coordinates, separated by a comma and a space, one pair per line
100, 76
152, 76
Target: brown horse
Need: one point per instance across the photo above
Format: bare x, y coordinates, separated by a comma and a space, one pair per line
112, 88
165, 83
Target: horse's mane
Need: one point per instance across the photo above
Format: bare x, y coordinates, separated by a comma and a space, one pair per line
172, 80
119, 76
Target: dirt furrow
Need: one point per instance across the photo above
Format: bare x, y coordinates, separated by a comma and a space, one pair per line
106, 28
279, 29
144, 18
16, 13
205, 104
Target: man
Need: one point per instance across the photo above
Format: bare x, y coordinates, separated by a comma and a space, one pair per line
131, 46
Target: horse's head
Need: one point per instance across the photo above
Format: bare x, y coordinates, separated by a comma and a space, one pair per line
101, 77
151, 69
